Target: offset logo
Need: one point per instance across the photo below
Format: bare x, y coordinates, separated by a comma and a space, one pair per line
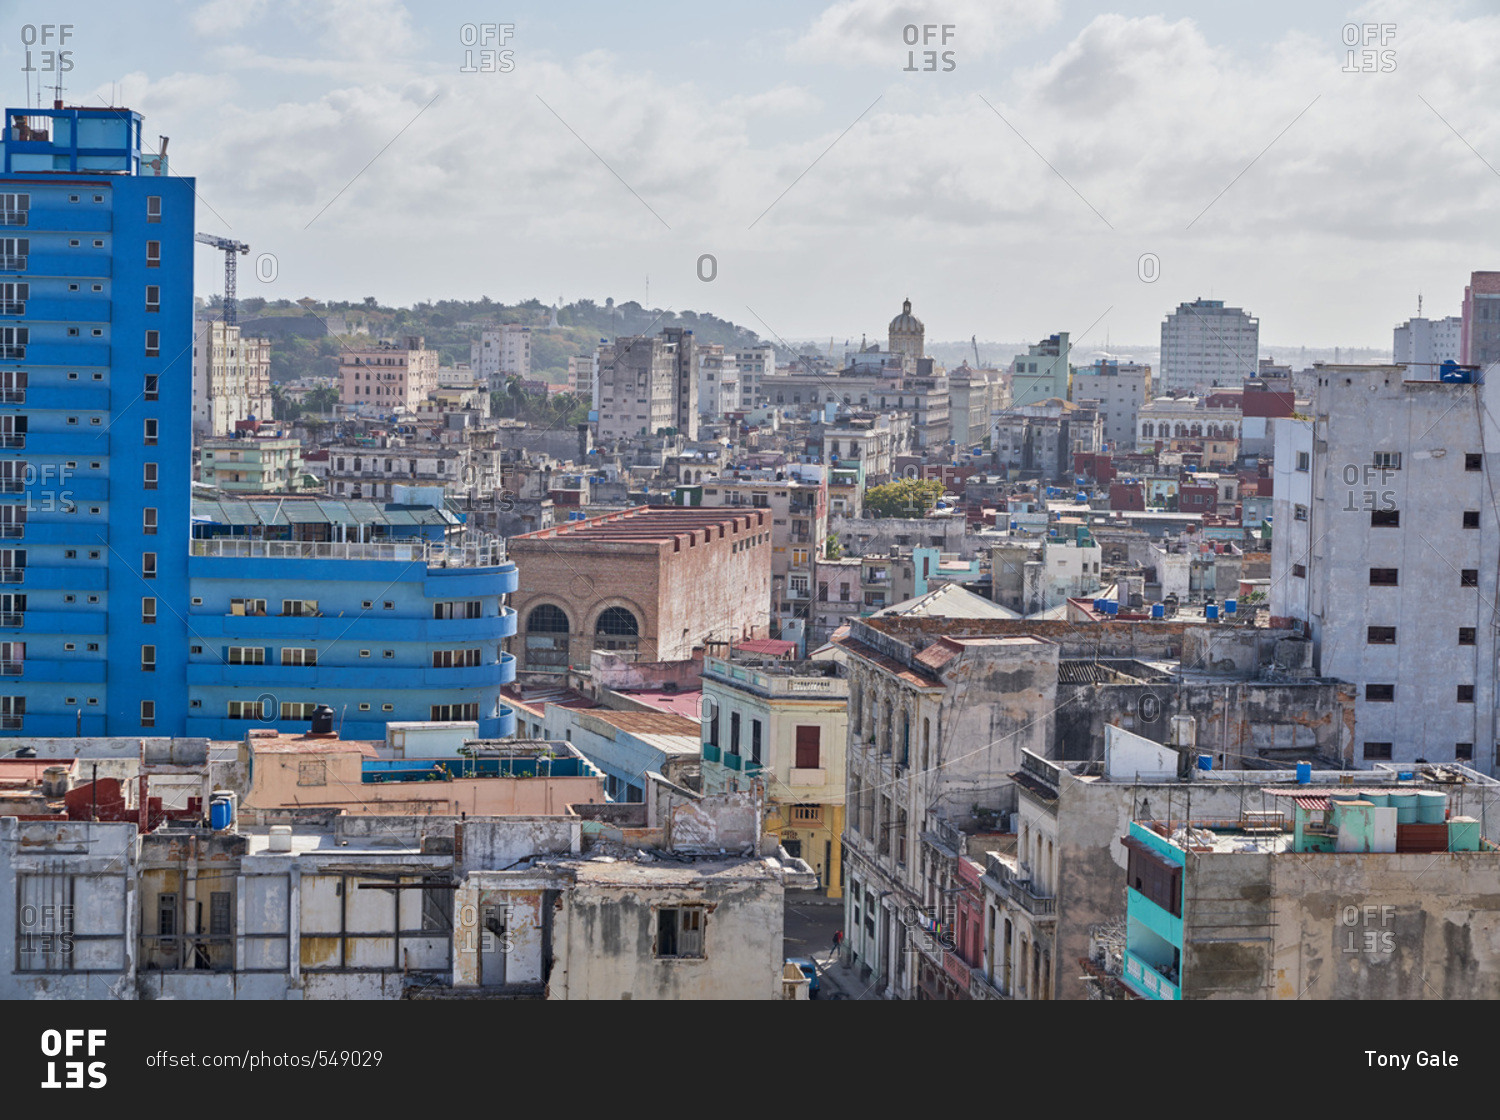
75, 1046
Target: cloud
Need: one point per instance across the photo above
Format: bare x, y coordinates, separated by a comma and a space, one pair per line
224, 17
881, 32
1293, 174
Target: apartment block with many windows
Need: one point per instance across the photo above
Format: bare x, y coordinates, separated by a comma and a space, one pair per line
96, 338
1384, 552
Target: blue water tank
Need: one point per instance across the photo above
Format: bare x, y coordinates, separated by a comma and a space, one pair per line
220, 814
1205, 762
1158, 610
1304, 773
1082, 496
1111, 606
1454, 374
1229, 606
1211, 611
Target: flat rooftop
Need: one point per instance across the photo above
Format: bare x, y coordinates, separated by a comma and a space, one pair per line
648, 524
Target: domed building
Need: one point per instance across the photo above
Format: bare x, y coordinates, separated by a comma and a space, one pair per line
907, 336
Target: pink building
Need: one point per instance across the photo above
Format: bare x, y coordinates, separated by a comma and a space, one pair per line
1479, 337
389, 376
510, 778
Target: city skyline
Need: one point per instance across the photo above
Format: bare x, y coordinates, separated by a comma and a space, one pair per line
783, 151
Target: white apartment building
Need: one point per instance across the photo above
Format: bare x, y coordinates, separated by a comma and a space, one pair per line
718, 382
1204, 344
500, 354
1428, 342
1384, 551
1121, 388
231, 379
753, 364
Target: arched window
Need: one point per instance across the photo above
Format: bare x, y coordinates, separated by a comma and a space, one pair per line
617, 629
905, 738
546, 638
886, 745
547, 619
926, 742
618, 621
1147, 430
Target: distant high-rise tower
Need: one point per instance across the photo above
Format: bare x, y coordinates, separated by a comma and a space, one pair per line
1204, 344
908, 336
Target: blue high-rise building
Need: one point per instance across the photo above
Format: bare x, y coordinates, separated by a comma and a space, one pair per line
113, 621
96, 337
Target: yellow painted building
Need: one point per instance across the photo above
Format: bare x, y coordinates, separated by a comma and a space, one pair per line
782, 724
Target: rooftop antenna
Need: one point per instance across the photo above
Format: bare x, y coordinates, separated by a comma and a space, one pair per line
1419, 305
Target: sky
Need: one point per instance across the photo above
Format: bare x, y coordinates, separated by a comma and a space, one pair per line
803, 168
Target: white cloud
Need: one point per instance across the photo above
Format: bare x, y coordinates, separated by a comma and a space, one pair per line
1147, 119
881, 32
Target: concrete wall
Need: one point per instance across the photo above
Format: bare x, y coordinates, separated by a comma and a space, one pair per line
1235, 720
606, 942
91, 866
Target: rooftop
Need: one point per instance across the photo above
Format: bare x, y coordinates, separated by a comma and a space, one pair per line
650, 524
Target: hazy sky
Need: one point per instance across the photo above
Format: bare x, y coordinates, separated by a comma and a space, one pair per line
1010, 197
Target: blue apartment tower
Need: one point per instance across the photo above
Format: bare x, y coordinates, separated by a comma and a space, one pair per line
113, 620
96, 336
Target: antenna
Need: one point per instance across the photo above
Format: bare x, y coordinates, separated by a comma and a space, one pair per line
1419, 305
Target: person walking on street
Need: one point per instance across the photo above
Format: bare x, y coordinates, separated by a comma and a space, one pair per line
838, 941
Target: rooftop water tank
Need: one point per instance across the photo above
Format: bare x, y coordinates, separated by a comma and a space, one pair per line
1158, 610
55, 781
280, 839
322, 720
1230, 606
1432, 807
1211, 612
1304, 773
1406, 807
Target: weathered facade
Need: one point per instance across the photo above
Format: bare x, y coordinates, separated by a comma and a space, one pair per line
650, 583
937, 723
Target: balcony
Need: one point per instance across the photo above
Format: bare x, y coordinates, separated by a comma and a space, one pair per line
807, 777
12, 575
1039, 906
12, 620
1147, 980
11, 668
711, 753
12, 396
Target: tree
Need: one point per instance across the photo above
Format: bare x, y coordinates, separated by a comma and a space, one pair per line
832, 550
906, 497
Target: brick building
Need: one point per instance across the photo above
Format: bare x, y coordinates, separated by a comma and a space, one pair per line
649, 583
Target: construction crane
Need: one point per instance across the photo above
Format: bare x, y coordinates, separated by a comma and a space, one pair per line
230, 248
974, 338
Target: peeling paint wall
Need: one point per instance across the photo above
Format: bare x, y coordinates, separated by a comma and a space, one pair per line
607, 944
1344, 926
